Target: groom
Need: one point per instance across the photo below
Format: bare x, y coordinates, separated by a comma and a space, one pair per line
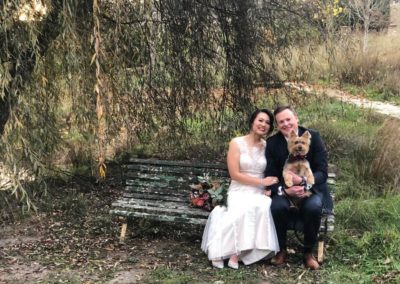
310, 210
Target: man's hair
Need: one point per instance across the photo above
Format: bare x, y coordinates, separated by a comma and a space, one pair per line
279, 109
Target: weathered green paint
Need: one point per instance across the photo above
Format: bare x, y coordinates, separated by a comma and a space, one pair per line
159, 190
157, 197
167, 218
158, 207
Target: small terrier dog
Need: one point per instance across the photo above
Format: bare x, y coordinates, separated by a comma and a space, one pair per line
297, 163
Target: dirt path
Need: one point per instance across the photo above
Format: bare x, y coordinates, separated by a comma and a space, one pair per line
377, 106
380, 107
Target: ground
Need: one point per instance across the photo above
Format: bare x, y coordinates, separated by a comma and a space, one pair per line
73, 239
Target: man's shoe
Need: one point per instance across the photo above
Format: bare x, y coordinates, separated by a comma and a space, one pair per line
280, 258
310, 261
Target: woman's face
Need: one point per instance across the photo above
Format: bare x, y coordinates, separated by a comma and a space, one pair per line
261, 124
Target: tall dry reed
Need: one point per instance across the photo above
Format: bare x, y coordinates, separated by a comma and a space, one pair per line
386, 164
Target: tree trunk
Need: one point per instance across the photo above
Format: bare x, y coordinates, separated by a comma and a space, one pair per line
4, 112
365, 37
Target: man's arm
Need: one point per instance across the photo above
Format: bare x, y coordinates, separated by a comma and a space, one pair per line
272, 168
319, 158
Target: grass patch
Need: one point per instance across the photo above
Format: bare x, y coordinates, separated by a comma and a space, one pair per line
165, 275
203, 275
366, 242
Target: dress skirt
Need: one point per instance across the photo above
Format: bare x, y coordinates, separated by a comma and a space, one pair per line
244, 228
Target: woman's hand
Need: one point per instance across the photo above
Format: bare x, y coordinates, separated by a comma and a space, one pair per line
267, 181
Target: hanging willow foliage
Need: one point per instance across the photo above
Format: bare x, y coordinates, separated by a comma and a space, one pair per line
177, 74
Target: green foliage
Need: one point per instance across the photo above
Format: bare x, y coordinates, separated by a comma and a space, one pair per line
369, 214
219, 195
366, 242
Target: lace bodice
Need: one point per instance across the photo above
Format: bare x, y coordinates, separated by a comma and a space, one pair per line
252, 159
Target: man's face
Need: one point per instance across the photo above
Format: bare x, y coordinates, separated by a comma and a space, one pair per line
286, 121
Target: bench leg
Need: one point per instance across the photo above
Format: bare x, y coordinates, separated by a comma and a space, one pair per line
123, 231
320, 256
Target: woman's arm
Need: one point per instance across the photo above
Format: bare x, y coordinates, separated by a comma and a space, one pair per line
234, 169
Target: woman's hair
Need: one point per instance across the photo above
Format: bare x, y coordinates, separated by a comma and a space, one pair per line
267, 112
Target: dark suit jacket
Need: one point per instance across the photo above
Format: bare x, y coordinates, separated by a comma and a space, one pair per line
276, 153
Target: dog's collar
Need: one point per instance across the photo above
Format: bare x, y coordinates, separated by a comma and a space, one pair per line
292, 158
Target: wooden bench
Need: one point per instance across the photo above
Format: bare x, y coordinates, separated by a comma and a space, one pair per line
159, 190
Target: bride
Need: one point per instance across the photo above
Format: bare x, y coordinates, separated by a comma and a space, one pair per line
244, 230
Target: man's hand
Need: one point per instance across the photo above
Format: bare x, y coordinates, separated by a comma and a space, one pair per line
296, 191
296, 178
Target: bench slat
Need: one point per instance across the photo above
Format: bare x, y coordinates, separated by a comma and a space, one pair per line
159, 184
158, 191
133, 161
163, 204
176, 168
156, 217
160, 176
165, 185
181, 199
157, 208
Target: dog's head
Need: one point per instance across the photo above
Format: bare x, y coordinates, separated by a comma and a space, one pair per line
299, 145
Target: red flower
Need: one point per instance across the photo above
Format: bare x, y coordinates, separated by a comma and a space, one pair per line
200, 202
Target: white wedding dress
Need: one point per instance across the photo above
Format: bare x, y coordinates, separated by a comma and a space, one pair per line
245, 227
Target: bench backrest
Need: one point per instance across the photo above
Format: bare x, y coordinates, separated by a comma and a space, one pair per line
166, 179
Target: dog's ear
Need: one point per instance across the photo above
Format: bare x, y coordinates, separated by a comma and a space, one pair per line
292, 134
306, 135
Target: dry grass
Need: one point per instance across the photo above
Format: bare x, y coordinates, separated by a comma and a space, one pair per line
380, 65
344, 61
387, 163
395, 15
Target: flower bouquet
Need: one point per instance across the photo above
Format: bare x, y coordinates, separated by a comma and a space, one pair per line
208, 193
